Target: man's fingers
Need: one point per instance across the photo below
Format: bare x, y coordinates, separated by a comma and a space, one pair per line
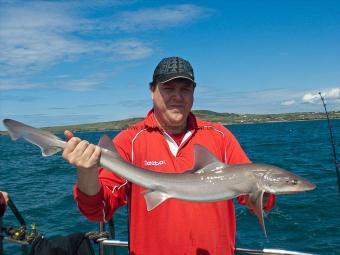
88, 151
81, 153
96, 154
70, 147
80, 149
72, 144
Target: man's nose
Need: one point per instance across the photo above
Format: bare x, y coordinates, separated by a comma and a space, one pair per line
178, 95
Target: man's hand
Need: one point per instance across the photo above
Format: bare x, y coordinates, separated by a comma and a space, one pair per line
268, 201
85, 157
81, 153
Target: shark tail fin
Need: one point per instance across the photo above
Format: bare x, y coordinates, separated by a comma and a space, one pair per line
255, 203
49, 151
154, 198
46, 141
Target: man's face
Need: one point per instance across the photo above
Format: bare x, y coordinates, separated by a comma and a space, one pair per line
172, 102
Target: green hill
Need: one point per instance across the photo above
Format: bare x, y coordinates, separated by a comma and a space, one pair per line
224, 118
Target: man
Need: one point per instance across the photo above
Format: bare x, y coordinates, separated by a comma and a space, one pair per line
162, 142
3, 202
3, 205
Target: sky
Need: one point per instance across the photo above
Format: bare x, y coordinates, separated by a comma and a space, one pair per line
73, 62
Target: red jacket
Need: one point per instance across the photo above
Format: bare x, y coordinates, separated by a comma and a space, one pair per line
3, 205
175, 226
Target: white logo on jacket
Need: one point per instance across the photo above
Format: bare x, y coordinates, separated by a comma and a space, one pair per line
154, 163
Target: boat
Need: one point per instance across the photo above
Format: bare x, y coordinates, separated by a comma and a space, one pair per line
25, 238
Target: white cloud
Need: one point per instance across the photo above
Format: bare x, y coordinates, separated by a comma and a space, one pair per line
82, 85
8, 84
311, 98
37, 35
33, 35
288, 103
158, 18
85, 83
262, 101
131, 49
332, 94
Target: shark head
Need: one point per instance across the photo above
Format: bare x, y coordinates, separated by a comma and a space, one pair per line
279, 181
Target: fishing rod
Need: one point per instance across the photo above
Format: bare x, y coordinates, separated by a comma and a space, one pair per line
337, 163
107, 242
268, 252
15, 211
18, 235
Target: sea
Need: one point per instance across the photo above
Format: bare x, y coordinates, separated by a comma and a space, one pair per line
41, 188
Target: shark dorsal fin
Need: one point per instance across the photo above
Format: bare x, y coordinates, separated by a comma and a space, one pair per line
203, 158
106, 143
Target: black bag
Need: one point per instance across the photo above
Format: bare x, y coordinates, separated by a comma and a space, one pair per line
74, 244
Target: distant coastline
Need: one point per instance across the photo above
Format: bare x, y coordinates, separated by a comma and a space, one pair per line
223, 118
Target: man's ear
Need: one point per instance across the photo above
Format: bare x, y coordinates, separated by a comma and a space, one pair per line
152, 89
152, 86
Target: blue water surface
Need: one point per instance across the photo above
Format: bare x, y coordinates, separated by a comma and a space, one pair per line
307, 222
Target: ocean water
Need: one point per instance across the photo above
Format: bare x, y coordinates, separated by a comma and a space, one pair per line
308, 222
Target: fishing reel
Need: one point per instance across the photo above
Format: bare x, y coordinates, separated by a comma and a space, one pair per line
21, 234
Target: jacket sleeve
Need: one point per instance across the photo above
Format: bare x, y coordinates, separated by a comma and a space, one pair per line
235, 155
111, 196
3, 204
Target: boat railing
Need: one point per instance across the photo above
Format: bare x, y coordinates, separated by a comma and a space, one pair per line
105, 242
239, 251
103, 239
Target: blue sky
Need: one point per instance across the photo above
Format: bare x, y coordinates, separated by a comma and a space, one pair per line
70, 62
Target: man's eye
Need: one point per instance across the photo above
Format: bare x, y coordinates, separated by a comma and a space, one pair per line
186, 89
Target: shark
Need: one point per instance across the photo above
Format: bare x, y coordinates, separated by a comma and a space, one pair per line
209, 180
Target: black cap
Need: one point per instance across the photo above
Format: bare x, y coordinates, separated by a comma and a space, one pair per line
173, 68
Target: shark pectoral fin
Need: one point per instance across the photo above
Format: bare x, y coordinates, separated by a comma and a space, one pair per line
194, 171
255, 203
154, 198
